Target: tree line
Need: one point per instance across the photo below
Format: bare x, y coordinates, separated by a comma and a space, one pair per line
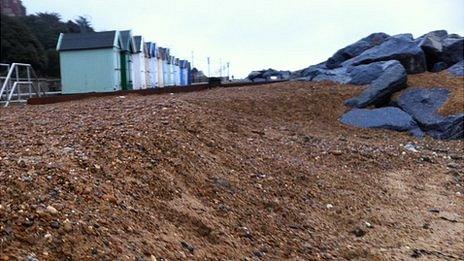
32, 39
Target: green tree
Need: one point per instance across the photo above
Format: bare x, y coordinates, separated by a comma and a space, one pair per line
84, 24
19, 44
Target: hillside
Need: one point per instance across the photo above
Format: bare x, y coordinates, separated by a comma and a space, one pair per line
263, 172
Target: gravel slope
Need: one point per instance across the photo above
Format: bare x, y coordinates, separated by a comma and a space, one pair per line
264, 172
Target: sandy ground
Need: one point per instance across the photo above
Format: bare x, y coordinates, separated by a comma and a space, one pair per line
264, 172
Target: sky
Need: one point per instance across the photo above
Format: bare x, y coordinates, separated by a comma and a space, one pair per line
259, 34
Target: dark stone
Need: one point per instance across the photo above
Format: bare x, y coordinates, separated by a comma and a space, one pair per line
392, 80
423, 105
406, 37
451, 128
405, 51
338, 75
359, 232
355, 49
390, 118
366, 73
453, 50
268, 75
55, 224
432, 45
457, 69
439, 66
187, 246
417, 132
28, 222
259, 80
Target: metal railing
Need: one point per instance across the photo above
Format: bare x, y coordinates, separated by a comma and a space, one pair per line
13, 83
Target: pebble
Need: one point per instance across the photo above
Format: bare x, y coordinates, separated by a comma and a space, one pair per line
434, 210
369, 225
28, 222
48, 237
52, 210
427, 159
411, 147
32, 258
337, 152
453, 165
67, 226
187, 246
359, 232
55, 224
329, 206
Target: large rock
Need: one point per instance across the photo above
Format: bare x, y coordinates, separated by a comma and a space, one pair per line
432, 45
355, 49
393, 79
367, 73
423, 105
268, 75
338, 75
390, 118
453, 50
457, 69
394, 48
451, 128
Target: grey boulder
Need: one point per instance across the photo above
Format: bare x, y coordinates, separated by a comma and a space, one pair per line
338, 75
423, 105
432, 45
457, 69
355, 49
453, 50
367, 73
393, 79
390, 118
268, 75
401, 49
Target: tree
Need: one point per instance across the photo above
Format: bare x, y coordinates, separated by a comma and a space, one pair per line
19, 44
33, 38
84, 24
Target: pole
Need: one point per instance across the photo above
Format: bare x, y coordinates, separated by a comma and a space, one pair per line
228, 70
220, 68
192, 60
209, 68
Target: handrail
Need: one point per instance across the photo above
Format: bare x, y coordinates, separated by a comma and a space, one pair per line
11, 94
7, 80
15, 68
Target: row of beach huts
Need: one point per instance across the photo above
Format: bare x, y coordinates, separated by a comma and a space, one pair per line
116, 60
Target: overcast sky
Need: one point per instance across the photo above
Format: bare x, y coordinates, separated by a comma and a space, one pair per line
257, 34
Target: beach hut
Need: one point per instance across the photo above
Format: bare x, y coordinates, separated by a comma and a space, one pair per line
183, 73
189, 74
147, 65
177, 72
160, 55
171, 70
127, 49
91, 62
166, 72
153, 63
138, 61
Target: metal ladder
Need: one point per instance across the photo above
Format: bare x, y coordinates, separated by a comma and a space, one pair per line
11, 83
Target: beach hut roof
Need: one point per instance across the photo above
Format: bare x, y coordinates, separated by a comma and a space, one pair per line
138, 43
86, 41
127, 43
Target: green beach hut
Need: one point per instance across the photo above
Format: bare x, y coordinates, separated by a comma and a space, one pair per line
93, 62
127, 66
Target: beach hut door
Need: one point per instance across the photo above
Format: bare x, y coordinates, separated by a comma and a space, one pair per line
124, 80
